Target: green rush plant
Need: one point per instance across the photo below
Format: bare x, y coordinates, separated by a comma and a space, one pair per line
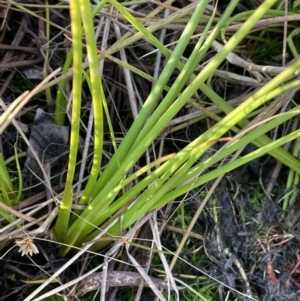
106, 196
